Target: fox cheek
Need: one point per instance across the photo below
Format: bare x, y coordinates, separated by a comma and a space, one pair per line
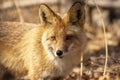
50, 49
71, 47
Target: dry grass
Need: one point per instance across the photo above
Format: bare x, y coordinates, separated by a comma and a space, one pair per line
19, 11
105, 37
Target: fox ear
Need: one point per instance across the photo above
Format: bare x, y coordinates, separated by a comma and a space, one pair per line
76, 14
47, 16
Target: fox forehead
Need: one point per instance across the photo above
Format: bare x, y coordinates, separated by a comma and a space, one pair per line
61, 28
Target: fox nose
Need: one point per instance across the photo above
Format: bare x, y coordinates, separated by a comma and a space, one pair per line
59, 53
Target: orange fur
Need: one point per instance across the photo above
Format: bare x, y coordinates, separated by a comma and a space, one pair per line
30, 49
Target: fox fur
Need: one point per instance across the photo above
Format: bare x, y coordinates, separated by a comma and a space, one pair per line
30, 49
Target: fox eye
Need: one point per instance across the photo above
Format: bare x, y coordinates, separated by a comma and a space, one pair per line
52, 38
69, 37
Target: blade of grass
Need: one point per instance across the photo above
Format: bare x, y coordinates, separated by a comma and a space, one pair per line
81, 57
105, 37
18, 11
81, 69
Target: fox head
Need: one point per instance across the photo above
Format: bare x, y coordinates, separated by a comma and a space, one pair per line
63, 35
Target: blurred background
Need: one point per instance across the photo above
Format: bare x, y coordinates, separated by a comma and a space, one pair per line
27, 10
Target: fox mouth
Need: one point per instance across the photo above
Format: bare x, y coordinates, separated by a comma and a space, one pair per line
60, 57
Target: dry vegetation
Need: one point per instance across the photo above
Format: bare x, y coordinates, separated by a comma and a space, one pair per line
94, 58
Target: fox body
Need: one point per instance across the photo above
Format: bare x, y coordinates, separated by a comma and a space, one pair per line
45, 51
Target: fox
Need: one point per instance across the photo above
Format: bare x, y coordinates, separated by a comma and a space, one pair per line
48, 50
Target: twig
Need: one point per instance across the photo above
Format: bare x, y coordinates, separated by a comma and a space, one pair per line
105, 37
18, 11
81, 56
81, 69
